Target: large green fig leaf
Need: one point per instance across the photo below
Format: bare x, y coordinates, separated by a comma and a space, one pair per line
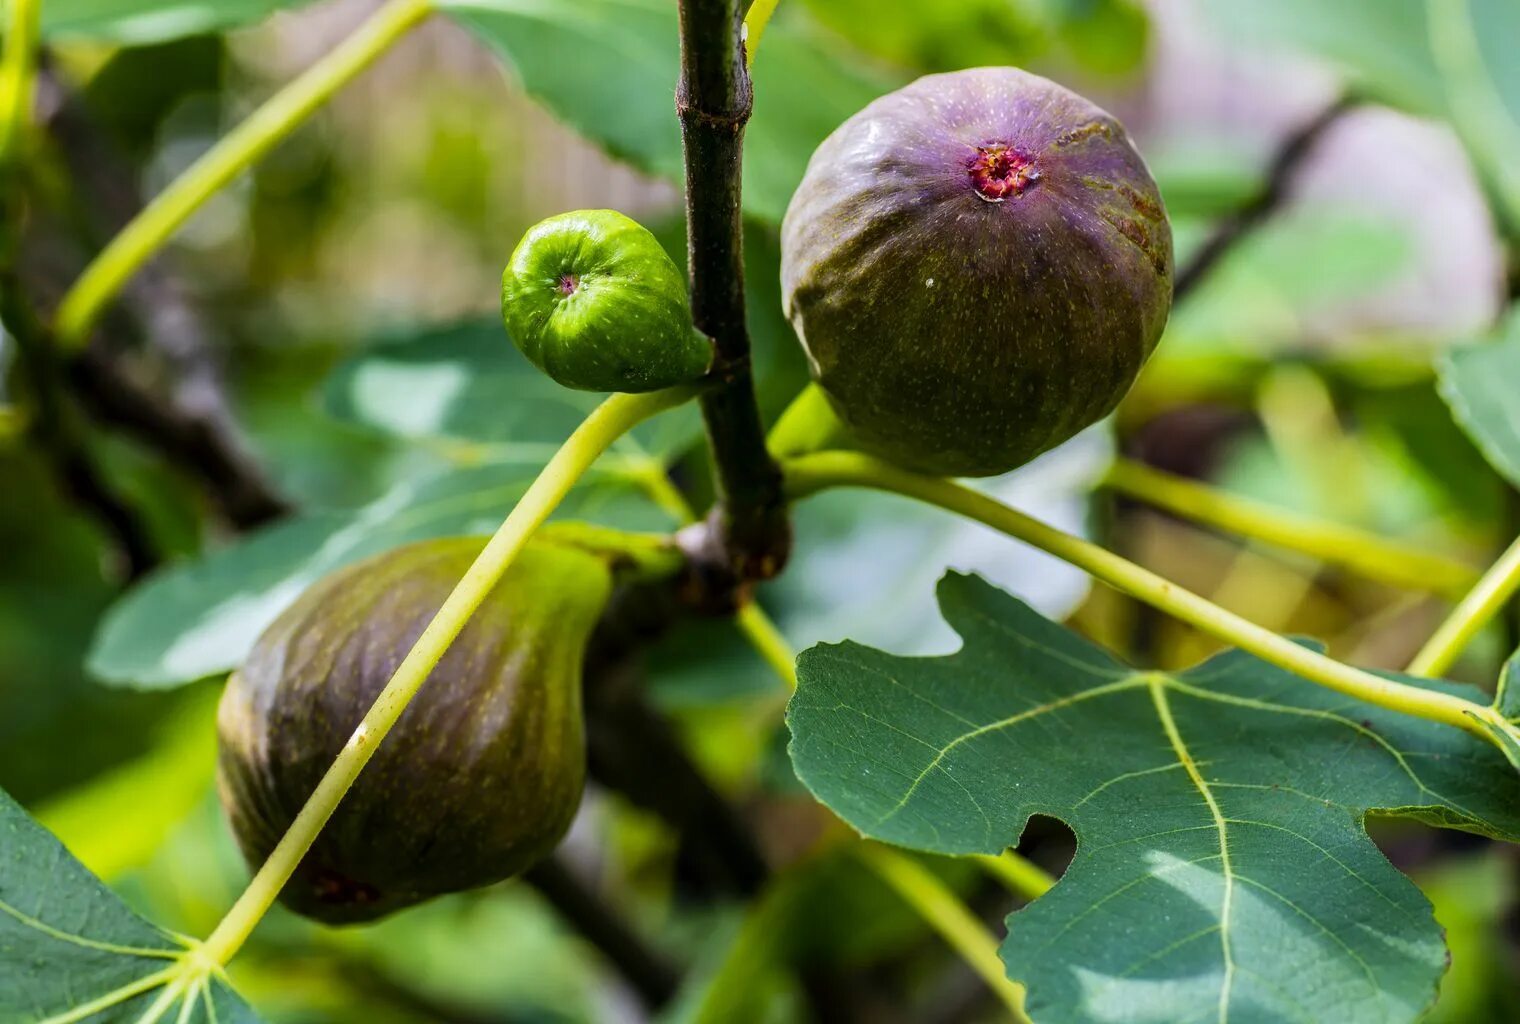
138, 22
608, 68
199, 618
71, 951
1481, 383
1223, 871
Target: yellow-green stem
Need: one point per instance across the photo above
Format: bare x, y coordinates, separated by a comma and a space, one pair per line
609, 421
18, 66
245, 144
1364, 553
1022, 877
1471, 614
947, 915
813, 473
755, 19
768, 642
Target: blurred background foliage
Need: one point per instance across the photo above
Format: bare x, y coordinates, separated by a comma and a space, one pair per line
342, 299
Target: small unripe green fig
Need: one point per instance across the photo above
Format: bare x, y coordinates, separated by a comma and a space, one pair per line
978, 265
594, 301
482, 773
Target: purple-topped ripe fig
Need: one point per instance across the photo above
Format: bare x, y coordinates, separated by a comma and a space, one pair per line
978, 265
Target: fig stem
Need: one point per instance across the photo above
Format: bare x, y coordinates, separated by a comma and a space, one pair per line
1374, 557
153, 226
18, 67
606, 423
813, 473
714, 99
1486, 599
768, 641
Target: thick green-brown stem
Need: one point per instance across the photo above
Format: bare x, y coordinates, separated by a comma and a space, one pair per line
714, 99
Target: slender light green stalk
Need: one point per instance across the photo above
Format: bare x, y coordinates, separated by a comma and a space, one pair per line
755, 19
947, 915
1022, 876
1482, 603
18, 67
768, 642
1365, 553
245, 144
609, 421
813, 473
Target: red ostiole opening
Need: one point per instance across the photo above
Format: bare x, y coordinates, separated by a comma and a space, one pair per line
998, 172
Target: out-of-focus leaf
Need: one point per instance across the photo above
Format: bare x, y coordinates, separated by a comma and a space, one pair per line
57, 730
1223, 867
119, 820
539, 966
1470, 898
1441, 457
469, 382
199, 618
823, 910
1201, 183
1265, 292
608, 69
1382, 46
70, 950
1106, 36
938, 36
1481, 383
1453, 59
137, 22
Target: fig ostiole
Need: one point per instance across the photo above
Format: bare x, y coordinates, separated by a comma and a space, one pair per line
482, 773
593, 300
978, 266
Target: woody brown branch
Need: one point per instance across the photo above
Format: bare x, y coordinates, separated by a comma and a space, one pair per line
713, 100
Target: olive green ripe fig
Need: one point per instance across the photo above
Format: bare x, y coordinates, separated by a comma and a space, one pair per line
483, 772
593, 300
978, 266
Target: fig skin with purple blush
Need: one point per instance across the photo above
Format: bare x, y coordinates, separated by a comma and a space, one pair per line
483, 771
978, 265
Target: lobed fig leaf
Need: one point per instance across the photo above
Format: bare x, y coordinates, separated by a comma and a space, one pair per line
483, 772
978, 265
593, 300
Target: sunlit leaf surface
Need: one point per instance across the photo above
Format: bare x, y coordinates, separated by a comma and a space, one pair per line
1223, 871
